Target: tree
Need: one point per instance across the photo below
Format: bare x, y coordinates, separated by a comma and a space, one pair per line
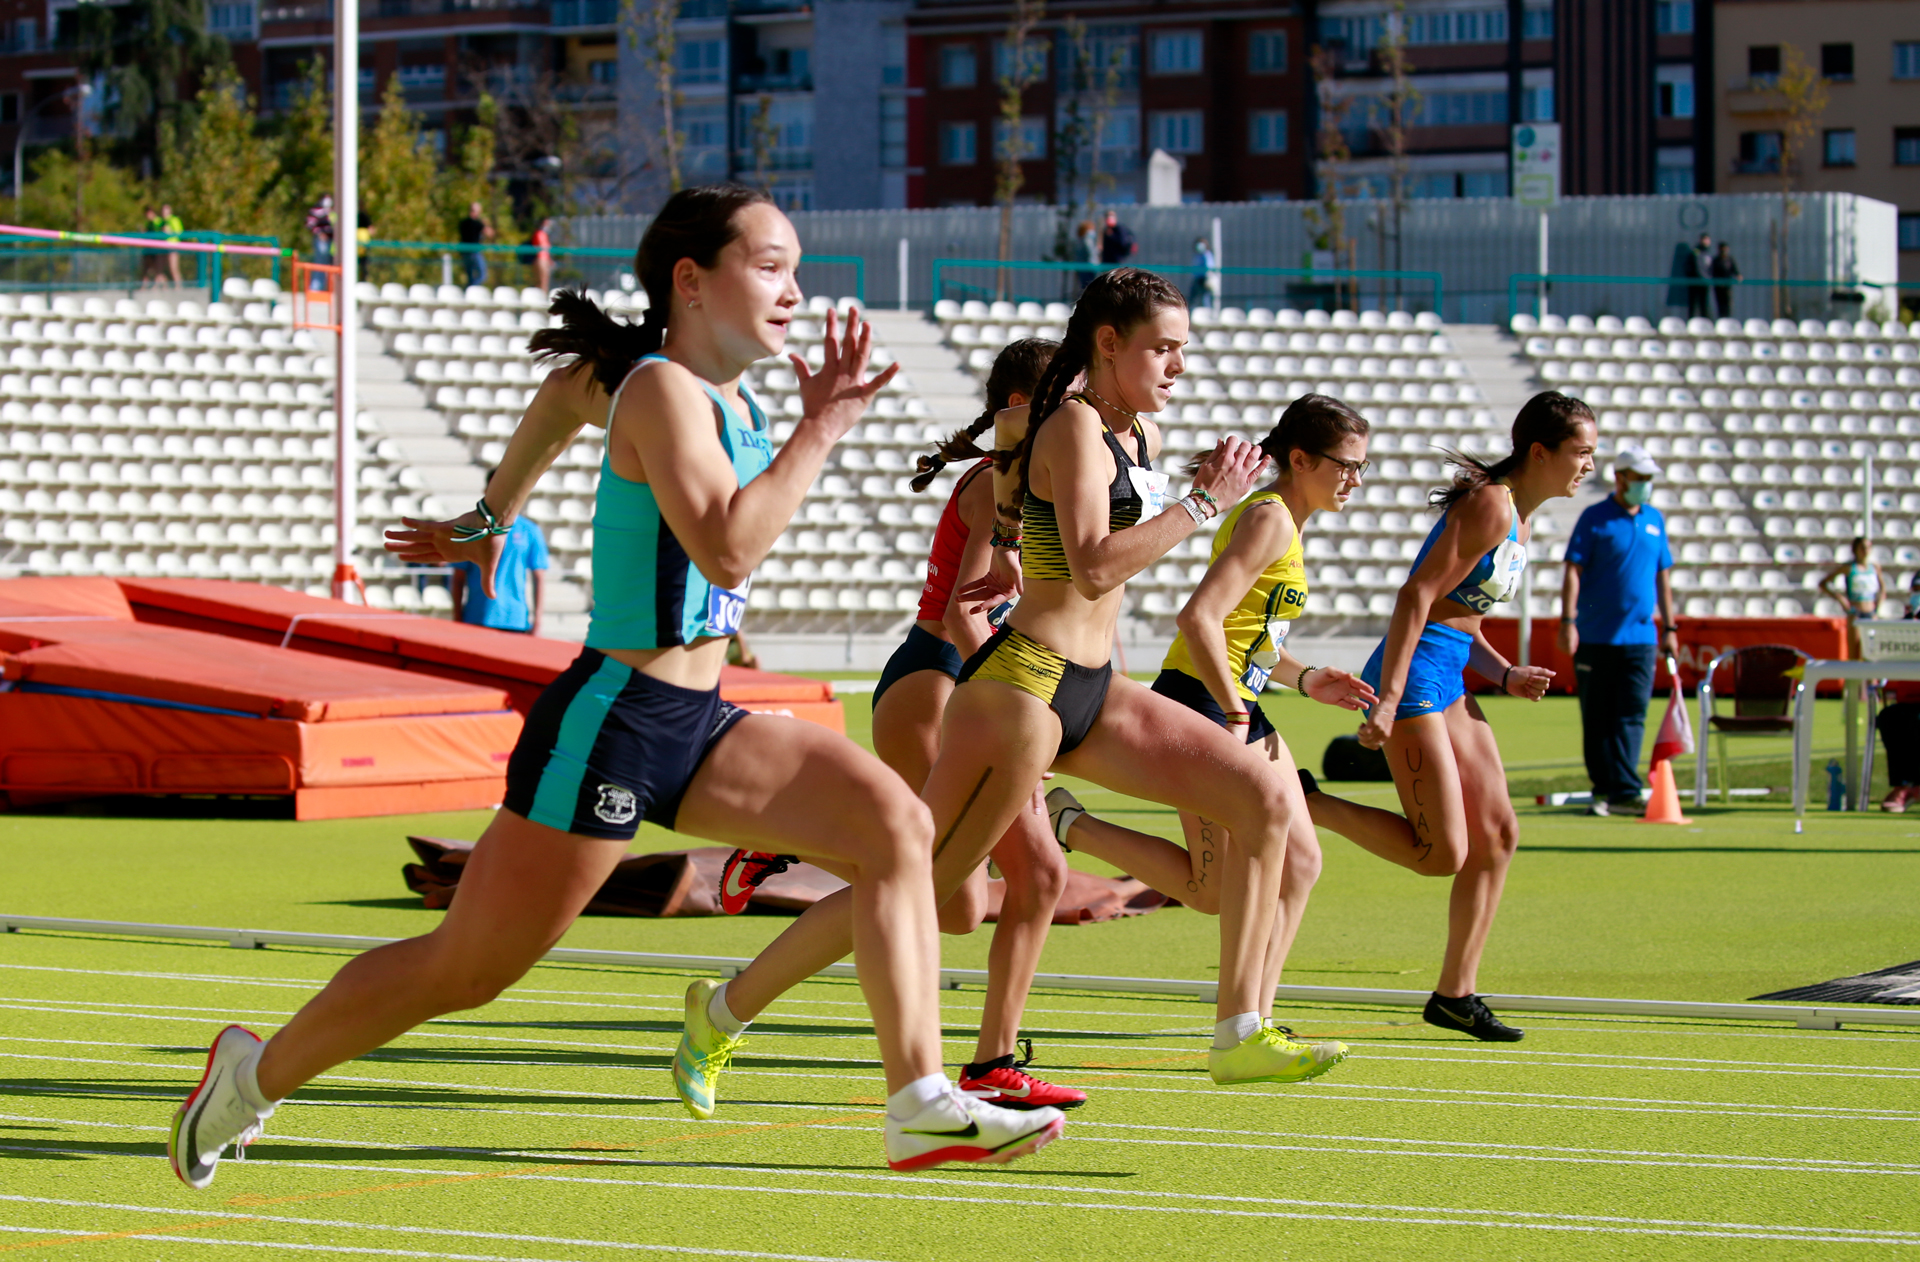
116, 197
398, 173
1803, 99
141, 53
1330, 142
1018, 72
651, 24
470, 178
217, 171
1402, 104
1089, 89
305, 152
763, 135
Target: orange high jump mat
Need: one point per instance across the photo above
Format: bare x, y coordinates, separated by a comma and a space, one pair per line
519, 665
95, 702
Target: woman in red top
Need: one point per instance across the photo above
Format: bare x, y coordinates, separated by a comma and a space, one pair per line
909, 704
543, 258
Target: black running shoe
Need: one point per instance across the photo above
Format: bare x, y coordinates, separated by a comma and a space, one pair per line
1470, 1015
1307, 783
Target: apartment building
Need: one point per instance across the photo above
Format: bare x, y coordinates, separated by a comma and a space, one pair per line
1865, 140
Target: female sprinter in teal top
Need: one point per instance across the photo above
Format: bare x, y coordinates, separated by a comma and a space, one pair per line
635, 728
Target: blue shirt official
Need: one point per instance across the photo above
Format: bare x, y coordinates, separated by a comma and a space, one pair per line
1620, 555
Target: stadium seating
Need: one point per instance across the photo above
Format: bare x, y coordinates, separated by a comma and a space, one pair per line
1763, 429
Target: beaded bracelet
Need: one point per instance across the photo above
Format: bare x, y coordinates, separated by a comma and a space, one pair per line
1300, 684
467, 534
1212, 503
1000, 540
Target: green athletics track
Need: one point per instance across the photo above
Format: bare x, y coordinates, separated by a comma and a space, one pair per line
543, 1126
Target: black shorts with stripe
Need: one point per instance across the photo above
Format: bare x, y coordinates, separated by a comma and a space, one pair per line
606, 747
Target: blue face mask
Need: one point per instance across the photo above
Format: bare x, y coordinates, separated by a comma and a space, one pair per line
1639, 493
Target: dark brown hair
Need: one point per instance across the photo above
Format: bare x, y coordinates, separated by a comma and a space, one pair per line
695, 223
1123, 299
1016, 370
1312, 423
1548, 418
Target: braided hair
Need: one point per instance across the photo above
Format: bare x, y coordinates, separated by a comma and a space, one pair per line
1016, 370
1548, 418
695, 223
1122, 299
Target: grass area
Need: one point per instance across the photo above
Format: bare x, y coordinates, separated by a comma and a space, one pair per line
541, 1126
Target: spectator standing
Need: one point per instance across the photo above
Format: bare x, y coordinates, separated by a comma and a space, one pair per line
1726, 271
519, 582
171, 224
1086, 251
1116, 243
1899, 726
1203, 293
474, 231
543, 256
320, 225
1699, 271
153, 263
1865, 583
1618, 566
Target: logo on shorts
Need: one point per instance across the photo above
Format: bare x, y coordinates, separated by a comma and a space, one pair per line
616, 805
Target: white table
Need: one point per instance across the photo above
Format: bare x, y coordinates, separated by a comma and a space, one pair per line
1816, 672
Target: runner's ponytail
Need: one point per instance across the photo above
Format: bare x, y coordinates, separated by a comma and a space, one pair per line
1016, 370
1548, 418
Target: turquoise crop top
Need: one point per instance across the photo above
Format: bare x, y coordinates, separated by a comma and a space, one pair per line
1494, 577
647, 593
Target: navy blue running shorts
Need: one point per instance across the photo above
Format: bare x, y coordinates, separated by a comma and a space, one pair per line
1177, 685
606, 747
921, 650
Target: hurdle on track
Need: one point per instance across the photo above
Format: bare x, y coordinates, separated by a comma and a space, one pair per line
1808, 1017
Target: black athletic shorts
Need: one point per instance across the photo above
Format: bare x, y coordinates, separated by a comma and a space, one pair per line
921, 650
1074, 692
1177, 685
606, 747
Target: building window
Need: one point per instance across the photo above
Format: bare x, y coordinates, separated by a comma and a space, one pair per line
1673, 171
959, 67
1483, 184
1177, 131
1836, 62
1269, 53
893, 131
702, 61
1536, 103
1037, 56
1763, 63
959, 144
1457, 26
1759, 153
1112, 59
605, 72
1906, 60
703, 126
1175, 52
1906, 146
230, 19
1909, 230
1033, 138
1673, 91
893, 56
1836, 147
1673, 17
1268, 132
1457, 109
1538, 23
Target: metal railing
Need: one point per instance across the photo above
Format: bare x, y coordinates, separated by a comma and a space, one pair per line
1307, 286
1737, 289
77, 262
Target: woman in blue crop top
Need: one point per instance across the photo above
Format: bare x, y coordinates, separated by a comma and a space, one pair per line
1458, 819
691, 500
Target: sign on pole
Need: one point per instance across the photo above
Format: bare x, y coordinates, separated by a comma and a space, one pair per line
1536, 164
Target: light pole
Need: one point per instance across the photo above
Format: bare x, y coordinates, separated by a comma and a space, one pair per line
20, 137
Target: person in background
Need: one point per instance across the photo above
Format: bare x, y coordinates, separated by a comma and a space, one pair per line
1726, 271
1086, 252
519, 581
1618, 566
363, 235
320, 225
1116, 243
475, 230
153, 263
171, 224
1899, 726
543, 256
1202, 294
1866, 582
1699, 269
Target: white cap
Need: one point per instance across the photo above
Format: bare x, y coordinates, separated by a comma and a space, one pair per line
1633, 458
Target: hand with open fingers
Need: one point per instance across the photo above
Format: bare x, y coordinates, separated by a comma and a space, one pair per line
435, 543
1230, 471
1529, 682
1330, 685
1000, 582
1374, 732
838, 394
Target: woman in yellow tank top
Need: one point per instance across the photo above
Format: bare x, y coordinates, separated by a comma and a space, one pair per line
1232, 640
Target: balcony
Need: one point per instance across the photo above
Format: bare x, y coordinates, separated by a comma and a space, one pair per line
300, 11
585, 12
751, 83
435, 8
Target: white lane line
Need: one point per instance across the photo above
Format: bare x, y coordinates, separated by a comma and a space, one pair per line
1392, 1215
1664, 1060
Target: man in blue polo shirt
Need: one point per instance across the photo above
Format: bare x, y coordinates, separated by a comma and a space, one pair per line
1618, 566
519, 582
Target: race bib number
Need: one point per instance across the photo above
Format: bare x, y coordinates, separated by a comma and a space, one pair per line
997, 616
1151, 486
725, 608
1255, 676
1509, 564
1261, 661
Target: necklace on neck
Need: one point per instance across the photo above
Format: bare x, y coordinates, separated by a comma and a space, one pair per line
1132, 416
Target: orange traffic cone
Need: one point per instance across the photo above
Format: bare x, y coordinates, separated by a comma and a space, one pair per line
1664, 806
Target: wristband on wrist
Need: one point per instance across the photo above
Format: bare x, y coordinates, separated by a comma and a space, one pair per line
1238, 720
1505, 675
492, 526
1003, 540
1194, 509
1211, 502
1300, 684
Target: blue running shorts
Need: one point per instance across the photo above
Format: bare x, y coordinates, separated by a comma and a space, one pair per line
1434, 676
606, 747
921, 650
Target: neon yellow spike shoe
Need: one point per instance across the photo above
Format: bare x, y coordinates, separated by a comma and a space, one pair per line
1272, 1054
704, 1053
